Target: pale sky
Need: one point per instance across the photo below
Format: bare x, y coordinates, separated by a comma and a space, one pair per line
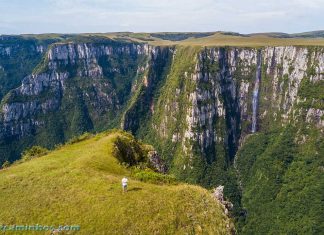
80, 16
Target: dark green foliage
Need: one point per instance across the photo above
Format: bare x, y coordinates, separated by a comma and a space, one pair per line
52, 133
128, 151
312, 92
81, 121
254, 146
283, 182
311, 71
192, 171
180, 36
11, 149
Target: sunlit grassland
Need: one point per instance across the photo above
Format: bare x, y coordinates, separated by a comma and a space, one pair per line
79, 184
252, 41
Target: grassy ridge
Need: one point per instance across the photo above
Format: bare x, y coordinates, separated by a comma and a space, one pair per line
79, 184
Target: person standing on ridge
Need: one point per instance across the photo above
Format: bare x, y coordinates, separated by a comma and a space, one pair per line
124, 184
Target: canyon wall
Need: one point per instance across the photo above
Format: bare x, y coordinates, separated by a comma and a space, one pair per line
212, 98
76, 87
195, 102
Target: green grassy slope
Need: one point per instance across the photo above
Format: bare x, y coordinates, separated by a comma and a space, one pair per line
79, 184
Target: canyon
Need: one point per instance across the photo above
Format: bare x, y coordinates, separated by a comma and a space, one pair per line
200, 107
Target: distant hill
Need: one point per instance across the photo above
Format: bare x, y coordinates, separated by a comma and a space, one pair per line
217, 38
311, 34
180, 36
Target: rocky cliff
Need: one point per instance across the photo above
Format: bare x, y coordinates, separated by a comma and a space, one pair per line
212, 98
18, 58
201, 101
76, 87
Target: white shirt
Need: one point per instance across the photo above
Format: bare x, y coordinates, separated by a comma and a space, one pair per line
124, 181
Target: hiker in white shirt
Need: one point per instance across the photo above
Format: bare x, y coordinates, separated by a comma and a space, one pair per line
124, 184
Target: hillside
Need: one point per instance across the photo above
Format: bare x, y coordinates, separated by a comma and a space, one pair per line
79, 184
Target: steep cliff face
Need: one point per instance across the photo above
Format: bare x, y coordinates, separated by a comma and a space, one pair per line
141, 106
76, 87
200, 103
18, 58
212, 98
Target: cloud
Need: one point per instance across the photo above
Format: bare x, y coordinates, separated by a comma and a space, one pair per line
157, 15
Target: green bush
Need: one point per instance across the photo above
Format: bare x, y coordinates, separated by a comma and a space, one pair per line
34, 152
155, 178
129, 151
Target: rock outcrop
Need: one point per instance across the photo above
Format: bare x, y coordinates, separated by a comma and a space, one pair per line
157, 162
218, 194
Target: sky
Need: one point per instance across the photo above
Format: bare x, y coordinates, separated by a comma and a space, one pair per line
94, 16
